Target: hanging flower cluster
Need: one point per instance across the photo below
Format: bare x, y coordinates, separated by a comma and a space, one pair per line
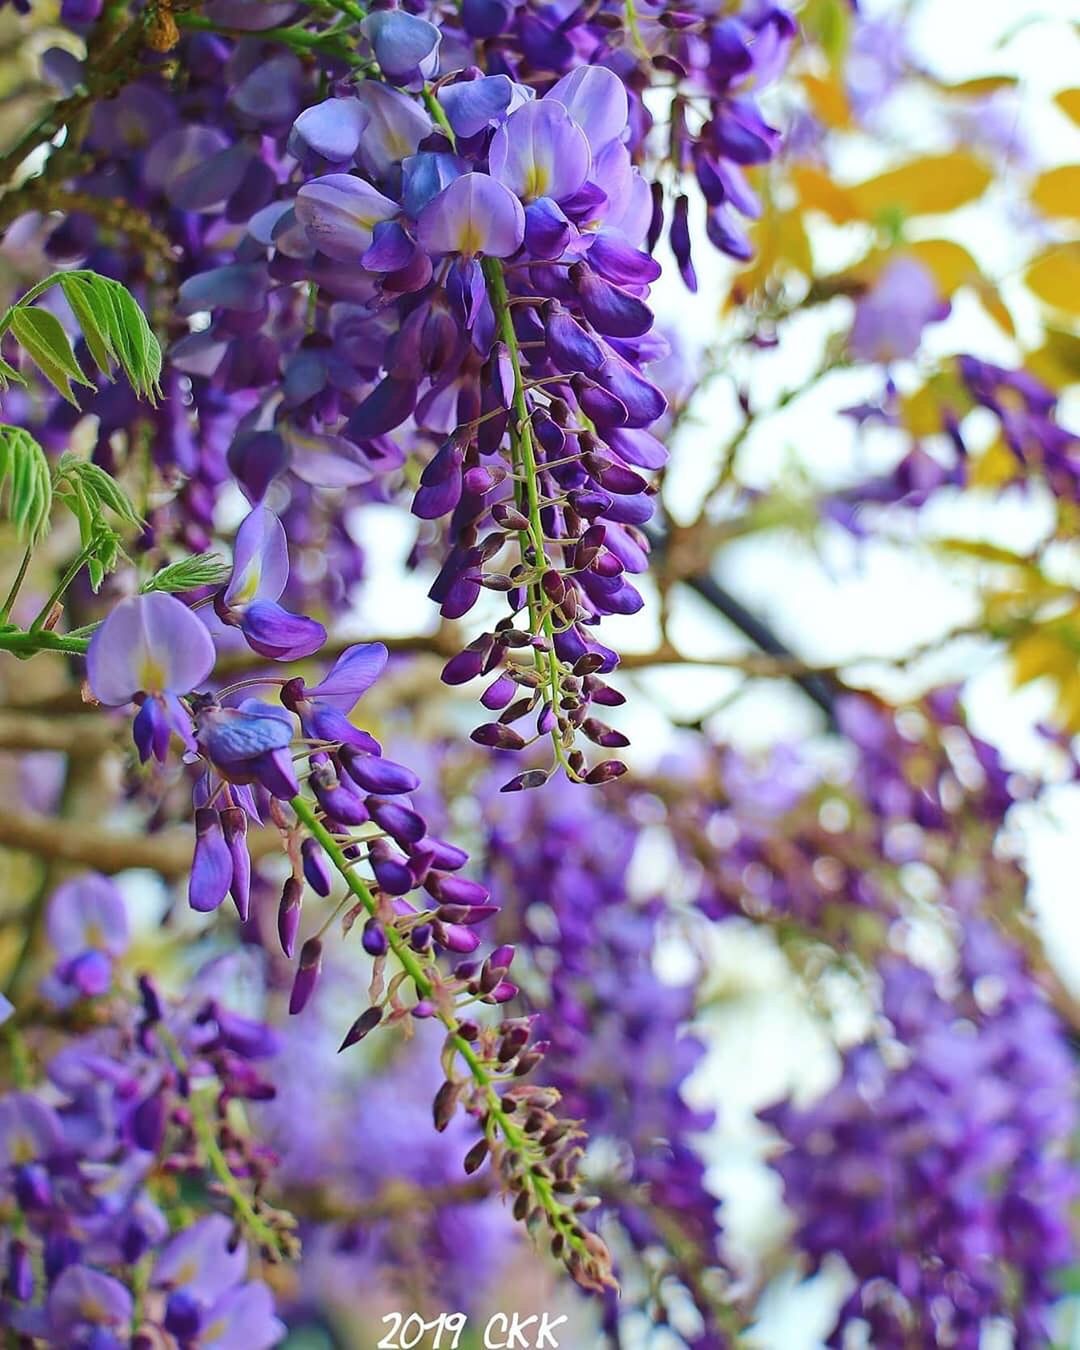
941, 1177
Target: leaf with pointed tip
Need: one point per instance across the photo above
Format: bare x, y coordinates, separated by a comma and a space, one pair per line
42, 337
25, 469
187, 574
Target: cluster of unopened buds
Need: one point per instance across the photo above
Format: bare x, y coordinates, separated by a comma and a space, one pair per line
343, 809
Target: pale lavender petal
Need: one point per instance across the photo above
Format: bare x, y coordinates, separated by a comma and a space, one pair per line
260, 559
87, 913
596, 99
397, 124
150, 643
475, 214
352, 674
339, 213
202, 1260
540, 152
274, 632
331, 129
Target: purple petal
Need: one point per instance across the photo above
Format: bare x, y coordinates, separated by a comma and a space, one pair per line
596, 99
274, 632
331, 129
406, 47
202, 1259
440, 484
351, 675
396, 126
389, 404
87, 913
472, 106
339, 213
475, 214
540, 152
211, 866
260, 559
151, 643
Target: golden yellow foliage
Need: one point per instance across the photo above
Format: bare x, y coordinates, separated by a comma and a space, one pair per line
926, 186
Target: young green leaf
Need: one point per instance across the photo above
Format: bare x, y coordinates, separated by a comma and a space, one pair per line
207, 569
42, 337
24, 469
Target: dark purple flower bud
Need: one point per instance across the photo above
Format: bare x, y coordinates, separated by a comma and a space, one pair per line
522, 782
455, 938
363, 1026
503, 992
604, 773
502, 957
256, 460
307, 975
440, 483
148, 1122
289, 914
374, 939
497, 736
392, 872
445, 1104
423, 1009
316, 868
183, 1316
420, 937
454, 890
440, 854
467, 665
474, 1159
340, 803
212, 864
680, 242
499, 693
569, 347
609, 308
33, 1188
375, 774
403, 825
234, 826
19, 1283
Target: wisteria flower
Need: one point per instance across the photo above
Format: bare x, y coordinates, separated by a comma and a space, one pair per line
151, 648
249, 600
86, 922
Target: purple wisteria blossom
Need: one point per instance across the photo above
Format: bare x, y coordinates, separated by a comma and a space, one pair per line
151, 649
249, 600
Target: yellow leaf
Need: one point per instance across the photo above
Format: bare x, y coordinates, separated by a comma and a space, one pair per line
995, 467
926, 186
1057, 192
1069, 103
1040, 653
1055, 277
951, 265
1057, 361
994, 305
979, 87
828, 99
920, 412
818, 192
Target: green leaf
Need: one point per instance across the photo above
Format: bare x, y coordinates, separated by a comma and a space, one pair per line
97, 487
94, 318
24, 468
9, 375
115, 328
42, 337
207, 569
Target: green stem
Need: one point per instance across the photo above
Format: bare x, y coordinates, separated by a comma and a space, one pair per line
16, 585
17, 642
512, 1134
219, 1164
73, 570
524, 455
299, 39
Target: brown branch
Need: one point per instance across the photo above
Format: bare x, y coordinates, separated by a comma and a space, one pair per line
394, 1199
82, 734
167, 852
